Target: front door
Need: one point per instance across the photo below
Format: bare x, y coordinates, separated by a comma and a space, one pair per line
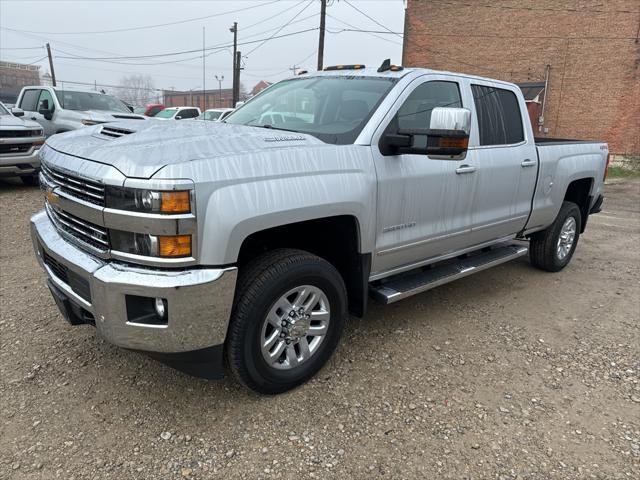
424, 205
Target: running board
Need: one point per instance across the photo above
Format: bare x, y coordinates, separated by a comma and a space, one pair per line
405, 285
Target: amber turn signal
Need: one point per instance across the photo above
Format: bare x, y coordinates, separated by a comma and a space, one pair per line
175, 202
174, 245
453, 142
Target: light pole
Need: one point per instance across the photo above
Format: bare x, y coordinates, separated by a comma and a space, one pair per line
219, 89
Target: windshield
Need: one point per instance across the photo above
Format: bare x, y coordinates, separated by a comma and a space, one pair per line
334, 109
3, 110
90, 101
211, 115
166, 113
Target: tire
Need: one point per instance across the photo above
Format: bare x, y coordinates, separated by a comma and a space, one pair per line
262, 286
544, 247
30, 180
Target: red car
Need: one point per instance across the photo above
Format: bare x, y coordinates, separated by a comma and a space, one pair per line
150, 110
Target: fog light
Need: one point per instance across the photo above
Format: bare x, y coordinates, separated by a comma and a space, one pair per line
160, 305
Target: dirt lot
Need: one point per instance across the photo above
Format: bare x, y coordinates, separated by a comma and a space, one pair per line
510, 374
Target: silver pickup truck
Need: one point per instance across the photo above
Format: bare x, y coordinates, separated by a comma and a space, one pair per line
251, 243
19, 143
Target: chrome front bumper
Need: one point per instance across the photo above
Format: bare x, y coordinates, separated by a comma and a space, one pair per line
19, 164
199, 300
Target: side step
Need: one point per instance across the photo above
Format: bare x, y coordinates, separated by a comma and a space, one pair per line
412, 283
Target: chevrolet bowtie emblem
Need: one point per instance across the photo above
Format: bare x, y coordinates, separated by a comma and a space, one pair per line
51, 196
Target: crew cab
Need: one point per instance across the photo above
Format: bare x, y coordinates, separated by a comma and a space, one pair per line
252, 242
60, 110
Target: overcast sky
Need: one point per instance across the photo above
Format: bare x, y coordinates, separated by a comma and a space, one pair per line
70, 26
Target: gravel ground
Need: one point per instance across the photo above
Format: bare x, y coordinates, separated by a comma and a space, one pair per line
513, 373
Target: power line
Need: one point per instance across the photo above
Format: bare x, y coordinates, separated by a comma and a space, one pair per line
279, 30
21, 48
371, 34
146, 27
169, 54
372, 19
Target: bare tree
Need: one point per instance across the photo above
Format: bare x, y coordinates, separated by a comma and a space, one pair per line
137, 89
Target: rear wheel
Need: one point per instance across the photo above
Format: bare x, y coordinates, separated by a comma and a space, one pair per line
287, 319
553, 248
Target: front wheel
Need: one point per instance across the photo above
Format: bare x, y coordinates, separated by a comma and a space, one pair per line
287, 319
553, 248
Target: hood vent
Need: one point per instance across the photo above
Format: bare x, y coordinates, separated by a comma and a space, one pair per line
115, 132
127, 117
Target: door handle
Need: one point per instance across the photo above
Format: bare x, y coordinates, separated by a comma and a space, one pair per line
465, 169
528, 163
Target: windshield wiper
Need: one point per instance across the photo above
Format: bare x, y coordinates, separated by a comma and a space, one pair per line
271, 127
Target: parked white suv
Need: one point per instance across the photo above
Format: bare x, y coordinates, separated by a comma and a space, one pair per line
178, 113
61, 110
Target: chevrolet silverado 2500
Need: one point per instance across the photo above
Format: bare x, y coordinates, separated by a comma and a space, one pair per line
251, 242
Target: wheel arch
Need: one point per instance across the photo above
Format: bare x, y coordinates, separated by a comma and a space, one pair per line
336, 239
579, 192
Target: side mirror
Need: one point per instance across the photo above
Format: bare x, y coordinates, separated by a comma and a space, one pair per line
45, 110
178, 117
17, 112
449, 132
447, 136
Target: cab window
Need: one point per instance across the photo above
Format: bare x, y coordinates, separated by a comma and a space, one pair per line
415, 112
45, 96
29, 100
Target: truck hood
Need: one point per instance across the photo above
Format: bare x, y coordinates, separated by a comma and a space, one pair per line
108, 116
139, 149
9, 121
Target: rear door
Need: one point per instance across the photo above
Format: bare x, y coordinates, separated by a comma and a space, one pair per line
503, 152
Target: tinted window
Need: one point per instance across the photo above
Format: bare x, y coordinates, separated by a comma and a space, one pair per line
29, 100
499, 118
415, 112
154, 111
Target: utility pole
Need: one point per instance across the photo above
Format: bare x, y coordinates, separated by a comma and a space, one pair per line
294, 68
204, 89
219, 89
236, 85
236, 64
323, 13
53, 73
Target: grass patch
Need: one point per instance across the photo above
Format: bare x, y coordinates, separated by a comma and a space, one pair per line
622, 172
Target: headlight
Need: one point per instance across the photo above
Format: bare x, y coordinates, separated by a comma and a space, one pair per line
148, 201
164, 246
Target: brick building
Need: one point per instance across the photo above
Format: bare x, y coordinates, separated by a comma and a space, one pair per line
213, 98
591, 48
14, 76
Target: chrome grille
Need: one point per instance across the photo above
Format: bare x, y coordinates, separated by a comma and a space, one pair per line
86, 232
88, 190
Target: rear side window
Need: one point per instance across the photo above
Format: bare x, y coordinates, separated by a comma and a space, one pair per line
29, 100
415, 112
499, 119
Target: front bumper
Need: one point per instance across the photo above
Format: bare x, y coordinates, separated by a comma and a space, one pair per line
199, 300
20, 164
